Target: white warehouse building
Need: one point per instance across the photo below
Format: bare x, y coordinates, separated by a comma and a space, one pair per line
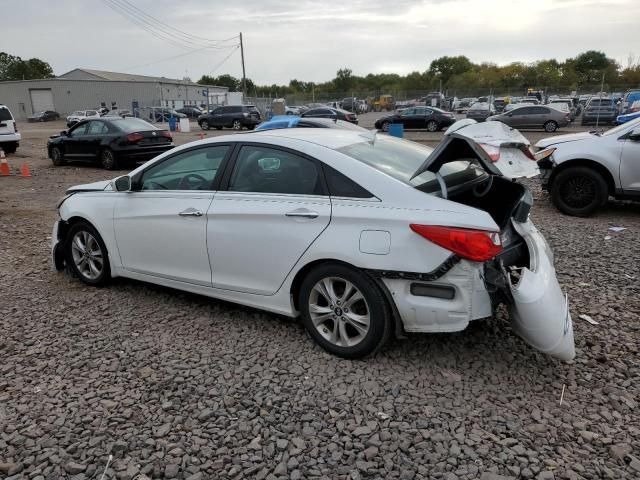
83, 88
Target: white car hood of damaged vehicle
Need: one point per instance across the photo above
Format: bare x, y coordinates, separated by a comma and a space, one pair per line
570, 137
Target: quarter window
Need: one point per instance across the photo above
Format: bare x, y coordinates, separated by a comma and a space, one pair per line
342, 186
190, 170
267, 170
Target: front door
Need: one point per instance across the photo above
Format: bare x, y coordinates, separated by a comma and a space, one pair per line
161, 227
630, 164
274, 207
74, 143
96, 130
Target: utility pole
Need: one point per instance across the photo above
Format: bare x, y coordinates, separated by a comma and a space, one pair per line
244, 77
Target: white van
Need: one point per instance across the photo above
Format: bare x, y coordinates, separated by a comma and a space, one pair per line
9, 136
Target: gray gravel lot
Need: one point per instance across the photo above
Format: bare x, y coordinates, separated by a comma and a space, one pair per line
175, 385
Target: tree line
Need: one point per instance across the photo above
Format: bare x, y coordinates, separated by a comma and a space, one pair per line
457, 75
15, 68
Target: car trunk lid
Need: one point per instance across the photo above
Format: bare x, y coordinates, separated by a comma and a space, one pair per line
502, 150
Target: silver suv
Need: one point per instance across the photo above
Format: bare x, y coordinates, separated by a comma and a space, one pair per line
9, 136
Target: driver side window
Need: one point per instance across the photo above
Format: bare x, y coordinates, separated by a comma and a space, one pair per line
79, 130
190, 170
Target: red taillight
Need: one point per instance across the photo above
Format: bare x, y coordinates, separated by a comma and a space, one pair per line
476, 245
15, 126
134, 137
491, 150
166, 133
527, 152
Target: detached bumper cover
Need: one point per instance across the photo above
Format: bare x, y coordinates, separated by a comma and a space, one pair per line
540, 311
57, 249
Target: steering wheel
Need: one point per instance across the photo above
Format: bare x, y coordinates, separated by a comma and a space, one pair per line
192, 181
155, 185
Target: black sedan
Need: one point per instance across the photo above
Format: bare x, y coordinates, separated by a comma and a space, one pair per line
45, 116
431, 118
112, 141
190, 111
330, 112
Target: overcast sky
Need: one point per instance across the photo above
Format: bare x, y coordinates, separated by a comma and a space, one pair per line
310, 40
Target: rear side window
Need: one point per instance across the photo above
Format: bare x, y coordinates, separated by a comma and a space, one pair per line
5, 114
342, 186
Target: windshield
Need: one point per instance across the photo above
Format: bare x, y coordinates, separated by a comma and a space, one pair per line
401, 158
78, 113
130, 124
622, 128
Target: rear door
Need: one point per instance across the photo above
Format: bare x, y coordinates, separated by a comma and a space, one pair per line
274, 207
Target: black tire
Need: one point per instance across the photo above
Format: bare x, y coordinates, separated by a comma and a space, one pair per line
218, 128
550, 126
236, 125
432, 126
579, 191
204, 125
9, 147
375, 304
385, 126
105, 275
108, 159
57, 156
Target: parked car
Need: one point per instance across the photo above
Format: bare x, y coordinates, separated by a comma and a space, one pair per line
288, 121
119, 112
633, 113
584, 99
585, 168
434, 99
350, 104
530, 100
164, 114
629, 98
329, 112
480, 111
430, 118
80, 115
600, 111
500, 103
464, 105
46, 116
280, 221
565, 101
191, 111
111, 141
231, 116
513, 106
291, 110
534, 116
9, 135
300, 108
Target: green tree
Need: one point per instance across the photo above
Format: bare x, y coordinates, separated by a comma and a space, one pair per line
226, 80
444, 68
592, 64
14, 68
344, 80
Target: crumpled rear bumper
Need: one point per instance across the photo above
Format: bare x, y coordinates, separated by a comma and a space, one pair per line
540, 310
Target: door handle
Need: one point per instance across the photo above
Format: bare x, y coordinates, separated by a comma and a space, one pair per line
302, 212
190, 212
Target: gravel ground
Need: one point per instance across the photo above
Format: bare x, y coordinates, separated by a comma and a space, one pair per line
175, 385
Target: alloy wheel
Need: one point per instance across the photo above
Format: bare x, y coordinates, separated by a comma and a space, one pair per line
237, 125
432, 126
339, 311
87, 255
385, 127
578, 192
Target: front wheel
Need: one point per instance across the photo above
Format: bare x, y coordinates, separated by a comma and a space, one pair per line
344, 311
204, 125
579, 191
385, 126
57, 157
432, 126
108, 159
550, 126
86, 255
237, 125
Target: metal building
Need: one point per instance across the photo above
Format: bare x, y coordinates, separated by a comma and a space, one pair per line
82, 89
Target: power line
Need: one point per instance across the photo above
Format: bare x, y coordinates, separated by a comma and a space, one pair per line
172, 58
223, 60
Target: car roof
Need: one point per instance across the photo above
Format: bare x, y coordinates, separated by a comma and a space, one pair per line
333, 138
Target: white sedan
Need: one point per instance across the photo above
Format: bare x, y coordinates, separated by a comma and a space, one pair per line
362, 235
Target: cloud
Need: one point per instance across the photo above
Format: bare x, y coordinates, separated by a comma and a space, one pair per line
310, 40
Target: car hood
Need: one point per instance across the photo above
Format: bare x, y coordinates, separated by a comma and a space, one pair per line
90, 187
570, 137
484, 138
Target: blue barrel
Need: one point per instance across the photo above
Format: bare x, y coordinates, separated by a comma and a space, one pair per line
396, 130
173, 124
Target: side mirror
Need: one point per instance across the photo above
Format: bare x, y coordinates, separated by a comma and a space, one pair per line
122, 184
64, 133
635, 134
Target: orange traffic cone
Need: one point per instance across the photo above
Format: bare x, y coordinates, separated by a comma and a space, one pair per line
24, 170
4, 166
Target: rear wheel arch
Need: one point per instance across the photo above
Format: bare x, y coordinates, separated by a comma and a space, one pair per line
583, 162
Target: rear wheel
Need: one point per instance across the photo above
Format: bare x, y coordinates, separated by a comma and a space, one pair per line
579, 191
237, 125
108, 159
57, 157
204, 125
550, 126
432, 126
10, 147
86, 255
344, 311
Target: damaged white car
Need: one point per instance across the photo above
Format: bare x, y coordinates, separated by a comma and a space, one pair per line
361, 235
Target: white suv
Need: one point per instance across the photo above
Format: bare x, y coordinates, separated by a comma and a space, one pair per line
80, 115
9, 136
